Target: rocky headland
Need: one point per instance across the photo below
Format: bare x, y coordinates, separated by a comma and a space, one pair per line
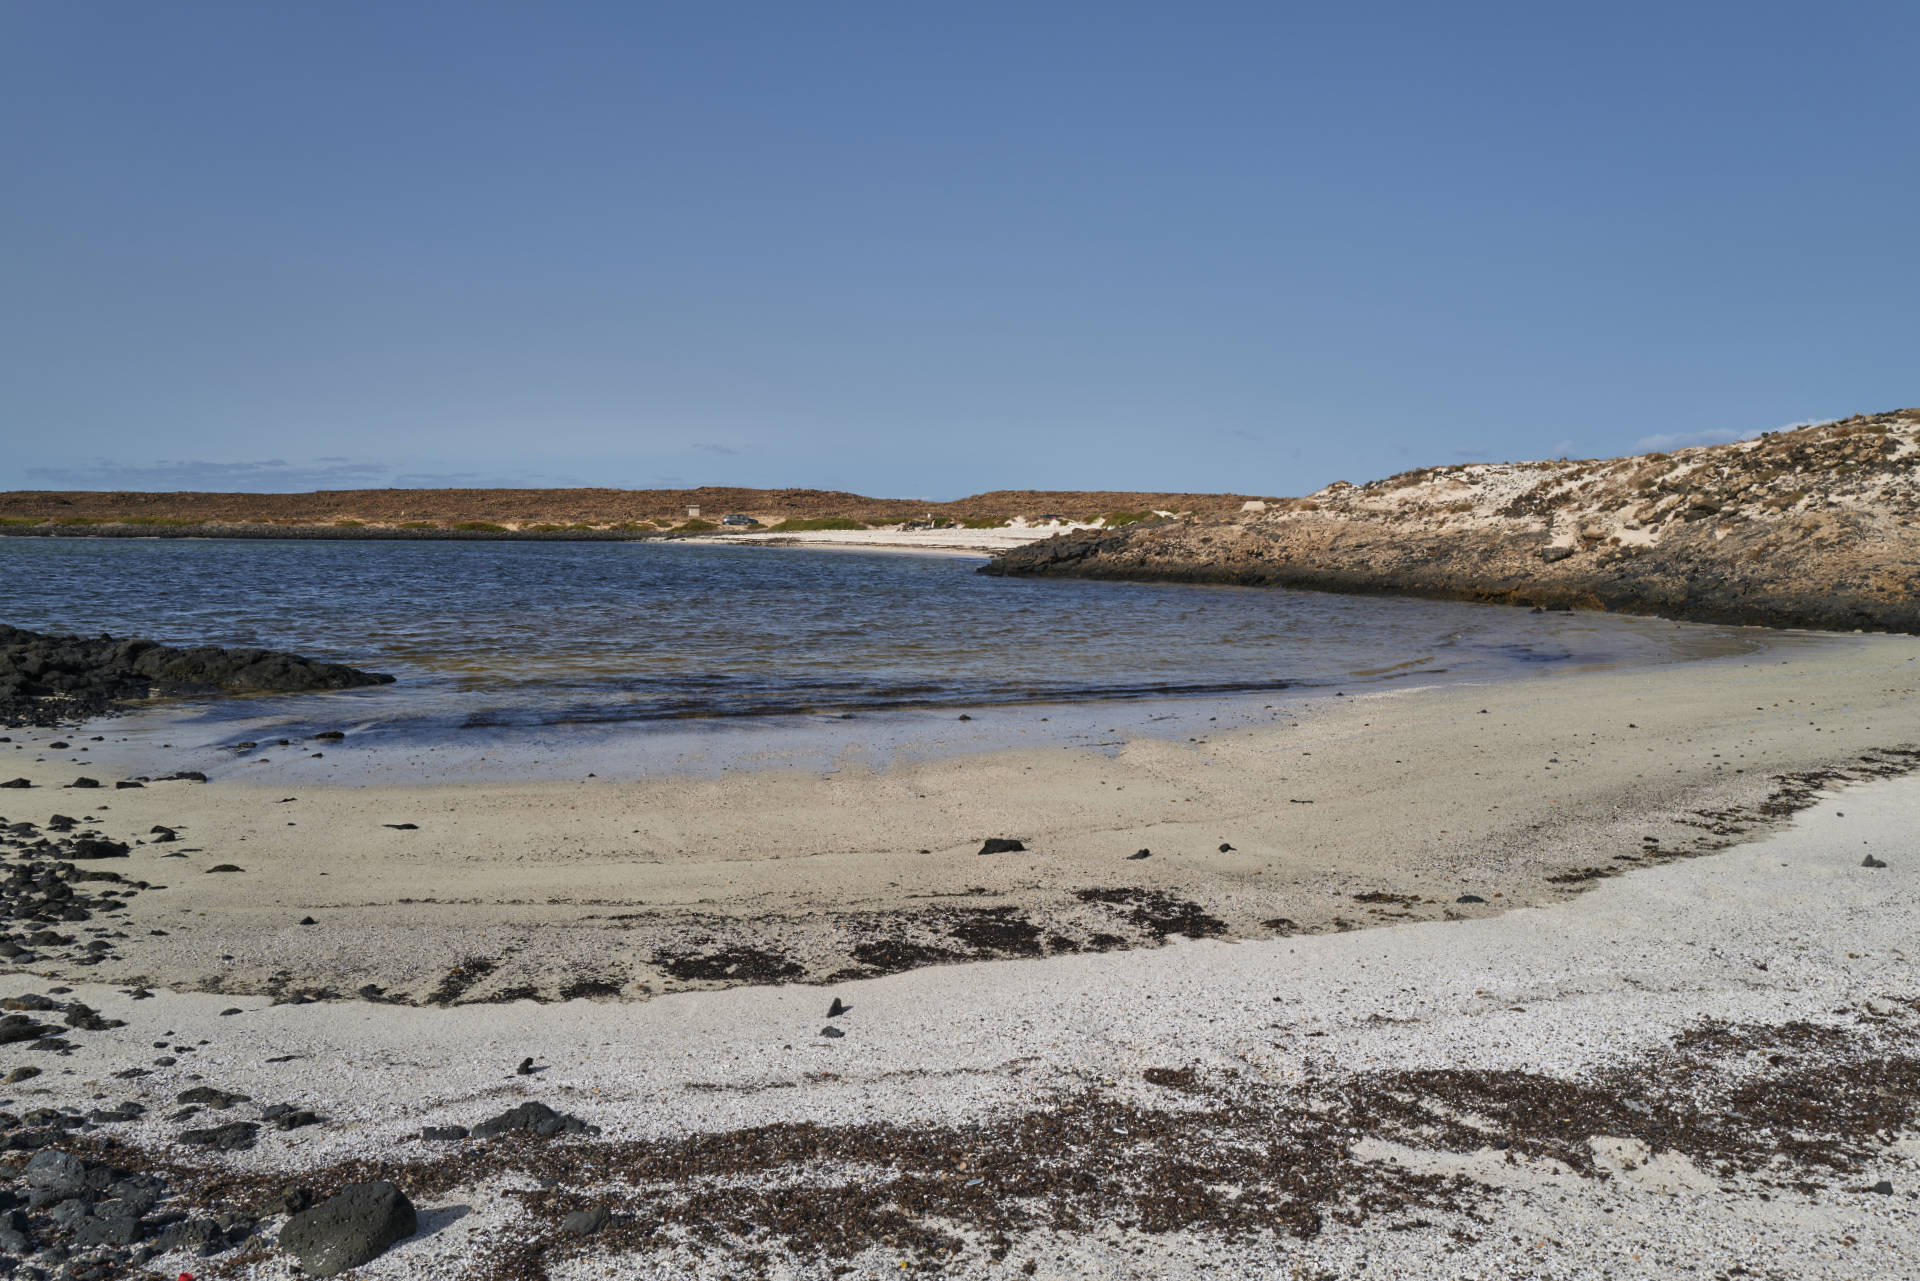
46, 679
1810, 527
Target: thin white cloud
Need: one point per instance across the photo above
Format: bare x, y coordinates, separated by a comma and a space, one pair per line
258, 476
483, 480
1711, 436
277, 476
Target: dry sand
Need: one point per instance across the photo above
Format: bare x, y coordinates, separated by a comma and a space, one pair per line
1379, 1070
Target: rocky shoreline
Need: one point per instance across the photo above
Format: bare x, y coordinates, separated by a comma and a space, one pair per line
52, 680
1817, 527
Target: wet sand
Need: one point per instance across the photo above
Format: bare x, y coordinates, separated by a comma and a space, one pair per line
1340, 813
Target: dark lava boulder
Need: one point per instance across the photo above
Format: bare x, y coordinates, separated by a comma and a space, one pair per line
537, 1118
44, 678
357, 1226
59, 1174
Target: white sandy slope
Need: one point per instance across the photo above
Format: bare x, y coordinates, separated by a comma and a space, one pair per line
961, 542
1560, 989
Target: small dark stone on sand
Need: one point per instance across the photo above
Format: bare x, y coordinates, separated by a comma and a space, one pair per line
1884, 1188
235, 1136
831, 1033
330, 735
1871, 861
444, 1133
1225, 848
308, 920
1002, 845
1139, 854
225, 867
525, 1068
584, 1223
402, 827
183, 776
126, 784
838, 1008
290, 1200
16, 782
1469, 898
231, 1010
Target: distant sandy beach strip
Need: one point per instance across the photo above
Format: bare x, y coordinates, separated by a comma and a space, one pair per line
950, 542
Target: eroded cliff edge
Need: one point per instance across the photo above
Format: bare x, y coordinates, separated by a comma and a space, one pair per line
1812, 527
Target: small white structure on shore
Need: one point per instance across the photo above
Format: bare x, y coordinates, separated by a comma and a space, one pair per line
1253, 505
693, 513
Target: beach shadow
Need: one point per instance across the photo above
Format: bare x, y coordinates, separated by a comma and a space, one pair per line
433, 1222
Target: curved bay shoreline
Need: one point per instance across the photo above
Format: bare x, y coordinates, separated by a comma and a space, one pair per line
1524, 793
1419, 1070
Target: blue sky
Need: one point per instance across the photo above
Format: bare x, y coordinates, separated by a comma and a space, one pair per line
926, 251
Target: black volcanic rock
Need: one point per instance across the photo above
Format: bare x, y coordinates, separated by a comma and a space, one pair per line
45, 679
357, 1226
536, 1118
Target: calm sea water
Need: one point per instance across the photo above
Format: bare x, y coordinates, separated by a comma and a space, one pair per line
500, 635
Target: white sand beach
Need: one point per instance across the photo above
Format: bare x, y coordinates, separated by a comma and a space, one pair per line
1497, 964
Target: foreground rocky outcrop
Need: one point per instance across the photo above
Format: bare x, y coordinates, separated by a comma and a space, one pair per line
1813, 527
45, 679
